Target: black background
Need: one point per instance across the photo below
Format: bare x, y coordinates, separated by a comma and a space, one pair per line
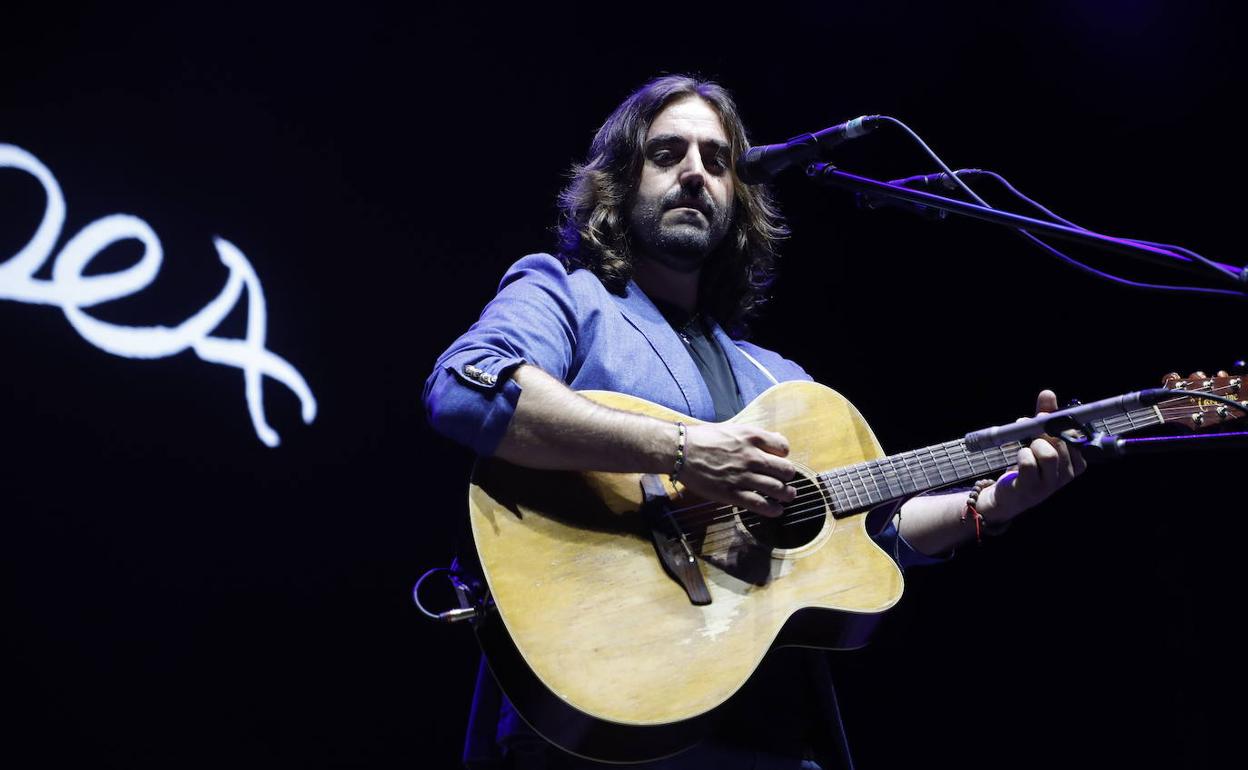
177, 594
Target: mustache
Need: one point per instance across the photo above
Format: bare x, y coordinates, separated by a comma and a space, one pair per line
701, 202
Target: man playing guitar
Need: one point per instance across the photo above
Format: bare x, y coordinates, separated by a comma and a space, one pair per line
664, 257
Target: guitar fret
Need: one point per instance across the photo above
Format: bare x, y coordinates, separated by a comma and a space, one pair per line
879, 496
833, 492
849, 477
905, 475
987, 464
896, 477
916, 462
889, 472
950, 461
967, 457
861, 484
927, 471
834, 489
856, 483
1143, 418
936, 463
985, 457
999, 457
848, 480
847, 486
842, 494
912, 483
869, 476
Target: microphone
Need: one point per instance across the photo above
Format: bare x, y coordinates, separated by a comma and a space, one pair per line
761, 164
1033, 427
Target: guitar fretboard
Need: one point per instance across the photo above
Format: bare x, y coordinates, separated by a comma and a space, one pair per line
854, 488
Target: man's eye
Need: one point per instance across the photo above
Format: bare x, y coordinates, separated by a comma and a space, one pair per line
663, 157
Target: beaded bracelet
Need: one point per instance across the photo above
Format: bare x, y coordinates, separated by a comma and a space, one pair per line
680, 452
975, 515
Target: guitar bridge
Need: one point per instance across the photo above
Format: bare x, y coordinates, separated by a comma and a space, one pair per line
670, 542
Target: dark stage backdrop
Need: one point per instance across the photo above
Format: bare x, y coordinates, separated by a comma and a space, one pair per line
179, 594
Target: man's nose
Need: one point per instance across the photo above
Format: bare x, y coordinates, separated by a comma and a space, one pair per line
692, 173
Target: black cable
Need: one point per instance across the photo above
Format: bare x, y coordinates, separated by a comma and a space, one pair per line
1052, 251
1214, 266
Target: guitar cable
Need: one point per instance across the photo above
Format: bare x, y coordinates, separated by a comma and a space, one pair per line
466, 588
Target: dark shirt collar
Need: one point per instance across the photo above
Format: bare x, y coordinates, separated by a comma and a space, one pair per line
681, 320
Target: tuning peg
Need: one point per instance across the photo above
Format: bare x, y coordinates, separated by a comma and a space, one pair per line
1170, 379
1198, 375
1222, 373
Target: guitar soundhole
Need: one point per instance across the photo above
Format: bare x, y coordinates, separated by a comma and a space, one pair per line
802, 520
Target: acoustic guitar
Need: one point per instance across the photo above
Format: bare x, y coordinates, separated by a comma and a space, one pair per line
624, 610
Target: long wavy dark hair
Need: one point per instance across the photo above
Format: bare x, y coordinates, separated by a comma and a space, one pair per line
593, 221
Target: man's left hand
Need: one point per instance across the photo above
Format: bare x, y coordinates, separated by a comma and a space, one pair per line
1044, 467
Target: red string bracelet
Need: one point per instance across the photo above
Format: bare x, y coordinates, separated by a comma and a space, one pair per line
971, 511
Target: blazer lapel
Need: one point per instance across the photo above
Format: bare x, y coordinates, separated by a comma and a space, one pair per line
639, 311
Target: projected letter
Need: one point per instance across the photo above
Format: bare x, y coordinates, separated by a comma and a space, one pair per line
73, 291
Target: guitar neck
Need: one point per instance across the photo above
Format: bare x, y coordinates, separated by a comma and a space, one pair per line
858, 487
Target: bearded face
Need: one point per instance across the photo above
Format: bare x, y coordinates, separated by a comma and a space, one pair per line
683, 205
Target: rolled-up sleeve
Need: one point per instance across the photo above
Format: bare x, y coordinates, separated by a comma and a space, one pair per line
470, 397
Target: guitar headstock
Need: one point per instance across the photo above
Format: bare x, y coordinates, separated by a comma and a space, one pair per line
1197, 413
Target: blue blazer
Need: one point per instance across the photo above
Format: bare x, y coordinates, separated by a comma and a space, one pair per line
572, 328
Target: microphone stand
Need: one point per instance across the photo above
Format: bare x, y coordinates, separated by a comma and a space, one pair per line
875, 190
1098, 445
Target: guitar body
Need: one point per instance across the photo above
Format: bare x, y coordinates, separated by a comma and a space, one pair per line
601, 650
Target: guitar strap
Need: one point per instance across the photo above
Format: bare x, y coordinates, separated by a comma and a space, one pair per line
761, 368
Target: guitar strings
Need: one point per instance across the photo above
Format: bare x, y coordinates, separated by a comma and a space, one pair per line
931, 461
793, 517
928, 465
750, 518
820, 508
815, 493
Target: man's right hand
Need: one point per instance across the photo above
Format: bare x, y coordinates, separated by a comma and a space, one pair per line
556, 428
738, 465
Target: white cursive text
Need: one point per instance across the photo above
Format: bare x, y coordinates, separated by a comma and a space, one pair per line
72, 291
